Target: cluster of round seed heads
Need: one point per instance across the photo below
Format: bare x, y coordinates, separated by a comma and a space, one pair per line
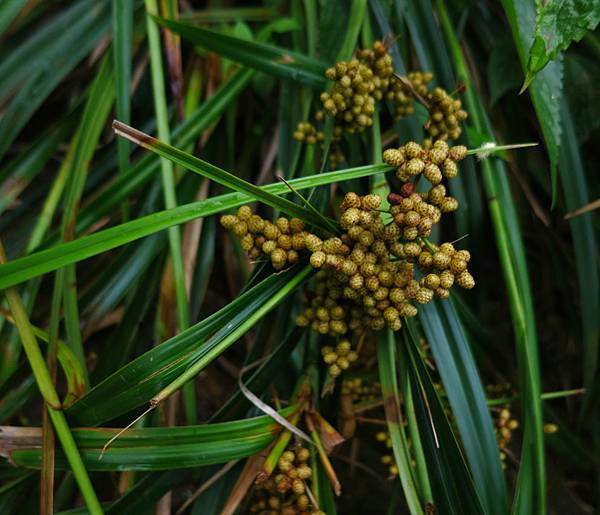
280, 241
402, 97
360, 390
358, 85
325, 314
436, 163
286, 492
445, 115
308, 133
339, 358
504, 422
388, 458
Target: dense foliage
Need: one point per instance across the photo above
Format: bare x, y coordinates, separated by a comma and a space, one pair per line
316, 264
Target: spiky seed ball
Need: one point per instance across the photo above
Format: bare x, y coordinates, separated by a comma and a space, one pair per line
268, 247
458, 153
431, 281
298, 241
424, 295
244, 212
271, 231
465, 280
441, 260
442, 293
446, 279
296, 225
317, 259
436, 194
407, 310
278, 258
240, 228
397, 295
412, 250
457, 265
228, 221
356, 282
414, 167
447, 248
449, 169
350, 218
412, 218
332, 246
349, 267
334, 370
448, 205
432, 173
393, 157
412, 149
313, 243
366, 238
464, 255
410, 233
371, 202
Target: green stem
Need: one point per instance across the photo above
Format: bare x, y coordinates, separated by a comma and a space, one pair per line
46, 386
162, 123
516, 283
545, 396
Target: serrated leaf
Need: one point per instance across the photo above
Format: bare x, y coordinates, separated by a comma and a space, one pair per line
558, 24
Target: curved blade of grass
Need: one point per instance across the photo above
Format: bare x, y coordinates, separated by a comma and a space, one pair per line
8, 12
183, 135
76, 43
221, 176
451, 483
94, 116
51, 259
467, 398
386, 358
261, 378
271, 59
141, 379
531, 483
46, 387
122, 24
543, 91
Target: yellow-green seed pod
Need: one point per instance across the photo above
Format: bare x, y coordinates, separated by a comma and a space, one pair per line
228, 221
317, 259
244, 213
424, 295
446, 279
278, 258
393, 157
313, 243
441, 260
459, 152
268, 247
465, 280
371, 202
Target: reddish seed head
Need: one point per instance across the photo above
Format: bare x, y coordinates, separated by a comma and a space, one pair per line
407, 189
394, 198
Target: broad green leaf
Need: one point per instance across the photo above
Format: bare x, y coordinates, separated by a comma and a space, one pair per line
461, 381
546, 91
558, 24
58, 256
514, 267
451, 483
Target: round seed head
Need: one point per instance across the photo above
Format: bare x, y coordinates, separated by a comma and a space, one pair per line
412, 149
244, 212
296, 225
240, 229
313, 243
371, 202
298, 241
228, 221
441, 260
393, 157
449, 169
442, 293
432, 173
458, 153
351, 200
317, 259
271, 231
446, 279
465, 280
448, 205
278, 258
424, 295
